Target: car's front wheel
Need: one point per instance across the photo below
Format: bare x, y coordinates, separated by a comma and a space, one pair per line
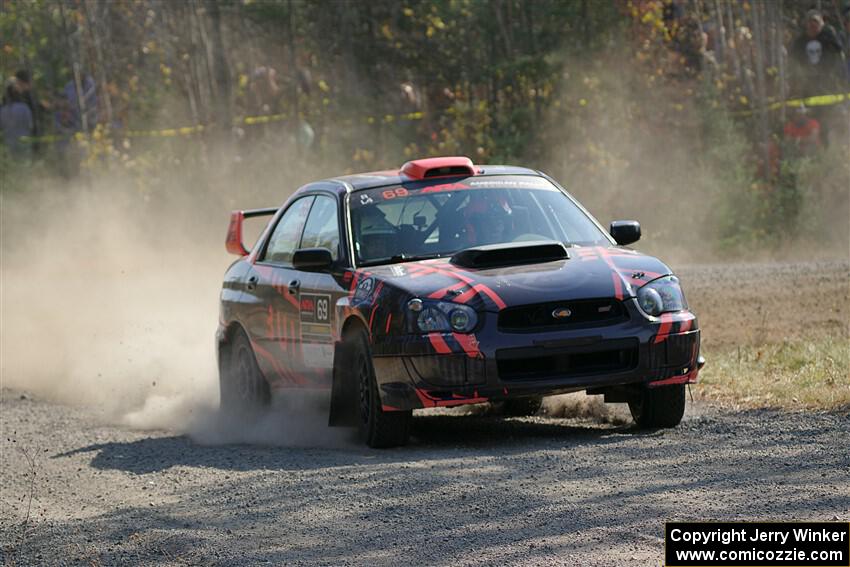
659, 407
242, 385
378, 428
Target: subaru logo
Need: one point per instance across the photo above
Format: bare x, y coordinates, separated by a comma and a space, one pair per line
561, 313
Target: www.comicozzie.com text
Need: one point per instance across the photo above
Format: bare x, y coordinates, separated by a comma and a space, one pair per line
727, 536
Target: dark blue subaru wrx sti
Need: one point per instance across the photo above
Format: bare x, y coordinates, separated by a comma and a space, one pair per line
448, 283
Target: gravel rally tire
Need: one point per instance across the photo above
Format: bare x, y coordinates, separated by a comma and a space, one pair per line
661, 407
378, 428
242, 385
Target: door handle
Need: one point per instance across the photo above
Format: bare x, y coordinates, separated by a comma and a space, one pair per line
293, 286
252, 282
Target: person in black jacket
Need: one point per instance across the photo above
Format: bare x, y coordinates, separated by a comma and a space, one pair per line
818, 58
24, 85
817, 65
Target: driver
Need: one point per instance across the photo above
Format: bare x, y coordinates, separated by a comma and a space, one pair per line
377, 234
488, 218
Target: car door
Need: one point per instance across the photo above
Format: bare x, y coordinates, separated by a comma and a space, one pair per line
320, 291
274, 321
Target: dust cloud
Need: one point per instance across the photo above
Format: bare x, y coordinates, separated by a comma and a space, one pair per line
581, 406
110, 300
667, 157
110, 284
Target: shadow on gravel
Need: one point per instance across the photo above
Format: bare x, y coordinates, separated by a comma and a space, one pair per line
532, 491
434, 437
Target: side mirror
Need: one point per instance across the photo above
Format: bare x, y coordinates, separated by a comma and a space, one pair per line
312, 260
625, 231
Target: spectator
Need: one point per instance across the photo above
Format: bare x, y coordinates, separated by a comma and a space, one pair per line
64, 123
16, 122
802, 132
85, 104
818, 58
671, 14
24, 83
265, 92
697, 57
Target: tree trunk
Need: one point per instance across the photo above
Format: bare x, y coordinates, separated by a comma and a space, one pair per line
761, 108
224, 119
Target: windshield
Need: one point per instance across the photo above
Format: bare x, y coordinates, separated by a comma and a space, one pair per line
416, 220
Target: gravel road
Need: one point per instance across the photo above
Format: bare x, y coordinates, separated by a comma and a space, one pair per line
470, 489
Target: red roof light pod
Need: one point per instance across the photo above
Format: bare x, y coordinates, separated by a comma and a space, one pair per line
438, 167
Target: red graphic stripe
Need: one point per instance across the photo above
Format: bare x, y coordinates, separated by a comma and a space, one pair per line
283, 373
469, 344
353, 285
270, 323
389, 320
491, 294
467, 295
429, 401
377, 291
281, 325
664, 328
615, 273
441, 292
439, 343
689, 378
372, 319
618, 285
451, 271
418, 270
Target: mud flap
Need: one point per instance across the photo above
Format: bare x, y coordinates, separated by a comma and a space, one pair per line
343, 411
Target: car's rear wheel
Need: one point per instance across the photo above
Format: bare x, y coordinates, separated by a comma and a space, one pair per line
520, 407
242, 385
659, 407
378, 428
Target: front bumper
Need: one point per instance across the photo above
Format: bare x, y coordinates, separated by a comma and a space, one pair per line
451, 369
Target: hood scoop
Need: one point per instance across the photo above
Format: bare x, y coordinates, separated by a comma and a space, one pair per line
498, 255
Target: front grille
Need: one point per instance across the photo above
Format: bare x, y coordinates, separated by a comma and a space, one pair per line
540, 363
583, 313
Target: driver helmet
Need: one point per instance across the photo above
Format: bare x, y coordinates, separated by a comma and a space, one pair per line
488, 218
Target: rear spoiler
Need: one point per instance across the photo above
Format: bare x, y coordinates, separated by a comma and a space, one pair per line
234, 231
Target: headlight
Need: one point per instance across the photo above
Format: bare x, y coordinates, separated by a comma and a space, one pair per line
441, 317
661, 296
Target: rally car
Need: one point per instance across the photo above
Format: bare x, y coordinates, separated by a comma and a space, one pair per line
446, 283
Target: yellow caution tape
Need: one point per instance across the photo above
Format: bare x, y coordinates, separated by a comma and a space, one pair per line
190, 130
820, 100
250, 120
